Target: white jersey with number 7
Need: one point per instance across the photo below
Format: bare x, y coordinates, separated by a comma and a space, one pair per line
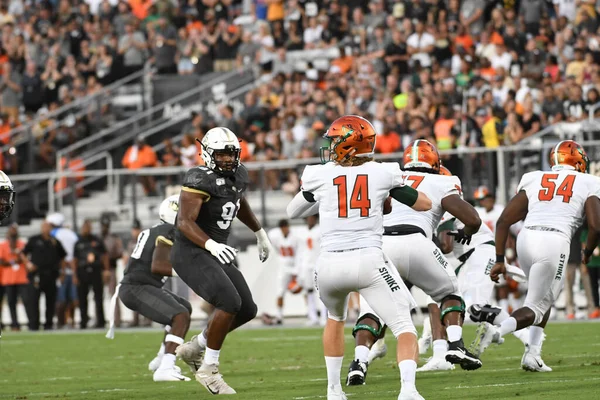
351, 202
557, 199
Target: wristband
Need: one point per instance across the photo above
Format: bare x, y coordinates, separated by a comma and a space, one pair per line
587, 252
499, 258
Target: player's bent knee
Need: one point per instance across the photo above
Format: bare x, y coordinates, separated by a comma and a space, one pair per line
368, 322
229, 302
403, 325
445, 309
187, 305
336, 318
538, 311
184, 316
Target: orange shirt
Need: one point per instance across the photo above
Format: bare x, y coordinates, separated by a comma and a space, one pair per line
442, 129
275, 10
140, 8
4, 133
146, 157
17, 273
344, 64
465, 41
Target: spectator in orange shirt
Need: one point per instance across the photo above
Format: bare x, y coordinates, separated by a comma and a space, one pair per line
141, 155
389, 142
13, 277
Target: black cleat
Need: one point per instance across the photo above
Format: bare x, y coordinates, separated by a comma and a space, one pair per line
357, 373
457, 354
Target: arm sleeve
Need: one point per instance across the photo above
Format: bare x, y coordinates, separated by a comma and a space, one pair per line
300, 207
405, 195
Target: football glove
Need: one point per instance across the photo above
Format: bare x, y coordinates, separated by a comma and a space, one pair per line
263, 242
225, 254
460, 236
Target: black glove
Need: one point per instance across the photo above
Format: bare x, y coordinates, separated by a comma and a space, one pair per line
460, 236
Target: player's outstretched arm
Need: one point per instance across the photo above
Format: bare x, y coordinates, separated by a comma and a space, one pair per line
462, 210
592, 212
246, 215
161, 263
515, 211
418, 201
302, 206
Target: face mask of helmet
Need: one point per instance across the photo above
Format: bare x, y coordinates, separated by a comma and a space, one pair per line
226, 161
6, 203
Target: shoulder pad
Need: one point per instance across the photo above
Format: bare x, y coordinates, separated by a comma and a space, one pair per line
200, 179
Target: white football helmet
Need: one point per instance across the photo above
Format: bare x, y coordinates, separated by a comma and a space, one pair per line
7, 196
167, 212
217, 142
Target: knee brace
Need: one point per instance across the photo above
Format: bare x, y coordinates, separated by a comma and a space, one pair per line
365, 327
446, 310
486, 313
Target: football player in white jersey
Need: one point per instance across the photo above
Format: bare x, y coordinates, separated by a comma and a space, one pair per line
287, 245
349, 193
553, 205
309, 252
473, 272
408, 242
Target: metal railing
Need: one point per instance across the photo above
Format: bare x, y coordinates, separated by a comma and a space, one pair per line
23, 134
146, 114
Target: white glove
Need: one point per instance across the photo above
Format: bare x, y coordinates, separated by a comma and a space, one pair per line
225, 254
263, 242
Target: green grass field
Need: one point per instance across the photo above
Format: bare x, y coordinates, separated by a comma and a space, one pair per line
284, 364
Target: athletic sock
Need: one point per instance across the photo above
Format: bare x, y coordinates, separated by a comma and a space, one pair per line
426, 328
503, 304
440, 348
361, 353
161, 350
501, 317
522, 335
334, 368
211, 357
280, 313
536, 334
408, 370
311, 304
454, 333
201, 339
168, 361
508, 326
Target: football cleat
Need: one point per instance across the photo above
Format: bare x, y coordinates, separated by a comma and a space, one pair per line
410, 395
336, 393
155, 363
532, 361
191, 353
436, 364
379, 350
485, 335
357, 373
424, 344
169, 375
212, 380
457, 354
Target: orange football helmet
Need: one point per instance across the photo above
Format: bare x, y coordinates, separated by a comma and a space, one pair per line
351, 136
570, 153
481, 193
445, 171
421, 154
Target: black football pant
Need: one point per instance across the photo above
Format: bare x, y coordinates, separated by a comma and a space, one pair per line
223, 286
13, 292
594, 273
91, 279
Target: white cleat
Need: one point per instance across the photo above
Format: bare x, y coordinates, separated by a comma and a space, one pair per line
436, 364
169, 375
424, 344
155, 363
485, 335
336, 393
212, 380
410, 395
532, 361
379, 350
191, 353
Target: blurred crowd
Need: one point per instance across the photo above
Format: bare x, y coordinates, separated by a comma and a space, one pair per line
458, 72
66, 267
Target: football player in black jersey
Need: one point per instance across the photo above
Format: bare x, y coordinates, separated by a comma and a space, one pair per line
211, 197
7, 202
142, 290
